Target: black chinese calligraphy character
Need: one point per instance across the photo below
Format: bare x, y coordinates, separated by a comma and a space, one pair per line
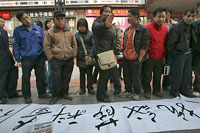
106, 116
141, 110
39, 111
180, 113
21, 123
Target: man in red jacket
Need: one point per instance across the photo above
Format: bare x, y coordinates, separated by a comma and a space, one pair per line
157, 51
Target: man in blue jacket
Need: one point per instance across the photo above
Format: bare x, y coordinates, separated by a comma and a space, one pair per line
29, 54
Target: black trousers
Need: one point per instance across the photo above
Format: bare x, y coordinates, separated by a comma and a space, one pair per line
11, 83
131, 76
3, 79
181, 73
104, 76
88, 72
149, 66
61, 72
27, 67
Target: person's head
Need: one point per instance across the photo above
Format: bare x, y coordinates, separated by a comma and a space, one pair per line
2, 22
190, 15
59, 19
159, 15
38, 23
168, 11
48, 24
105, 12
133, 16
82, 25
23, 17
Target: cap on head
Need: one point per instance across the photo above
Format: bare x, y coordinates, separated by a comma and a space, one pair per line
59, 13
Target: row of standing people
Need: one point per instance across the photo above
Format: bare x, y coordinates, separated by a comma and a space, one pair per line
60, 45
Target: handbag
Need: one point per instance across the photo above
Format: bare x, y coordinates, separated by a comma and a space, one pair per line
88, 60
106, 60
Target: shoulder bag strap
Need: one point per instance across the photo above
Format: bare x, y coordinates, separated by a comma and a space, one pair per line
83, 44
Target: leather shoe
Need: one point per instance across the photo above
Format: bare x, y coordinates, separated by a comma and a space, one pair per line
174, 94
117, 92
158, 94
107, 99
82, 92
91, 91
67, 97
53, 100
147, 95
28, 100
44, 96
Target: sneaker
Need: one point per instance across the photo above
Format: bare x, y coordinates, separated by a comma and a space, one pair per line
125, 94
28, 100
197, 94
136, 97
147, 95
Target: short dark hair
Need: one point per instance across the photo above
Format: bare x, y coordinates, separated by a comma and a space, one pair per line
39, 23
134, 11
103, 8
20, 14
168, 10
192, 10
158, 10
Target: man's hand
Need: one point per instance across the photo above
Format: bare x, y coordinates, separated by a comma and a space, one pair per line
109, 20
19, 64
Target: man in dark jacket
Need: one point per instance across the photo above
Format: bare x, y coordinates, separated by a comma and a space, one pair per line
6, 62
29, 54
179, 44
136, 40
196, 57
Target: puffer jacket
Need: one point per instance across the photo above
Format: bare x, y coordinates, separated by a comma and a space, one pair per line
88, 41
103, 37
60, 44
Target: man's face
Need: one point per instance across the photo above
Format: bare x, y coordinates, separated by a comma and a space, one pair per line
26, 20
159, 18
60, 21
132, 19
2, 22
189, 18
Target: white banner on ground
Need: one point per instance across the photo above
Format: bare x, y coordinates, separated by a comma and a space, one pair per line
121, 117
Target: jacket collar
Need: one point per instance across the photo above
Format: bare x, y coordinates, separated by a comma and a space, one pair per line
23, 27
183, 25
56, 28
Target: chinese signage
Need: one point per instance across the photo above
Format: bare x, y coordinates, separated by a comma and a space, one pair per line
117, 12
69, 14
68, 2
123, 117
5, 15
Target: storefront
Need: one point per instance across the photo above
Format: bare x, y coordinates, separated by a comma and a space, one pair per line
120, 17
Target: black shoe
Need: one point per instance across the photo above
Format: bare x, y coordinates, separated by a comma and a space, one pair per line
166, 88
91, 91
28, 100
67, 97
188, 94
15, 96
82, 92
3, 101
117, 92
174, 94
53, 100
159, 94
107, 99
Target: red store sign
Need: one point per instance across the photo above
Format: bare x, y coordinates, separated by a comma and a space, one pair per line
5, 15
117, 12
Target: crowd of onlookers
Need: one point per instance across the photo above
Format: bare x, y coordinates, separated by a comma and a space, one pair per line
145, 53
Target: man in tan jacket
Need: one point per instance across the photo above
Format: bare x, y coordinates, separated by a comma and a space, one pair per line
60, 47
